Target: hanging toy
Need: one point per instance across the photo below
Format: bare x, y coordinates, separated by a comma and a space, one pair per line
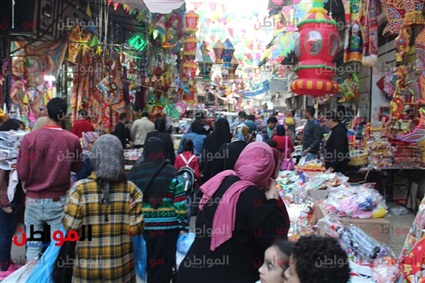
396, 107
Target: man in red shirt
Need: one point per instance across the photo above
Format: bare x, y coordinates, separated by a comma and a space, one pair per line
45, 161
83, 125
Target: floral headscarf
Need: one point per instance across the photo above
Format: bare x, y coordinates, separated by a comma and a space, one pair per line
241, 133
88, 137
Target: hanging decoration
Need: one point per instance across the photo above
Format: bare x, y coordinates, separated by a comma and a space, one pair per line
349, 88
228, 54
191, 22
205, 64
316, 46
219, 52
189, 54
402, 44
370, 32
353, 34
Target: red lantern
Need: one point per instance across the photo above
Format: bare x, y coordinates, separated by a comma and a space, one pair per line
189, 46
191, 21
189, 69
316, 46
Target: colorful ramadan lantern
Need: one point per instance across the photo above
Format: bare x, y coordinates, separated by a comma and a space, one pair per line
316, 46
228, 54
189, 69
191, 22
189, 46
219, 52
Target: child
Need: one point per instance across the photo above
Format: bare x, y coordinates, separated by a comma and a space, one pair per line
276, 261
188, 158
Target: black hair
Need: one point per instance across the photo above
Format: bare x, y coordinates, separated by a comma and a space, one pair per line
145, 114
56, 109
285, 247
123, 116
160, 125
250, 117
242, 114
187, 145
331, 115
82, 113
272, 143
311, 110
11, 124
272, 120
293, 113
315, 257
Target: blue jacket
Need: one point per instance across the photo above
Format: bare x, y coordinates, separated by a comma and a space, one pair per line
198, 142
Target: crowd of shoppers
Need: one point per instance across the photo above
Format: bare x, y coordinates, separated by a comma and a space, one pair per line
239, 206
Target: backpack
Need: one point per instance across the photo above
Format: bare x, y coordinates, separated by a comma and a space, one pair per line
187, 175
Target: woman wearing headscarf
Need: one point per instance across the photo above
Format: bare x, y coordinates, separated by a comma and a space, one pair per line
240, 215
197, 135
160, 125
112, 207
164, 209
212, 144
87, 141
229, 152
281, 138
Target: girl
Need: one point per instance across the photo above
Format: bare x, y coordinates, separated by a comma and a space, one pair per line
187, 158
276, 261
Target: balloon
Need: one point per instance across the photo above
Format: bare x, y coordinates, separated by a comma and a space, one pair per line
267, 53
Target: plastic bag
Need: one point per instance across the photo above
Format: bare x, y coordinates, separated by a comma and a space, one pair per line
22, 273
140, 255
184, 243
362, 246
356, 202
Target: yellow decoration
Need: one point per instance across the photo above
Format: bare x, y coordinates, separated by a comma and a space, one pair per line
309, 84
25, 99
99, 50
379, 213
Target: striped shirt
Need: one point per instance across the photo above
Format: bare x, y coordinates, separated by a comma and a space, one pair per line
108, 257
172, 212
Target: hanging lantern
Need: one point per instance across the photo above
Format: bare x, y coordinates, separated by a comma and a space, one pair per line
235, 64
191, 22
189, 46
228, 54
205, 67
189, 69
316, 46
219, 52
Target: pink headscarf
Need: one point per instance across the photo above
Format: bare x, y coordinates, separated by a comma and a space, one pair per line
254, 167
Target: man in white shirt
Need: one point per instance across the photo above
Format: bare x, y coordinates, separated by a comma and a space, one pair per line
139, 130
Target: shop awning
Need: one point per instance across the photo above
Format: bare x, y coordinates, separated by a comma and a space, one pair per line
154, 6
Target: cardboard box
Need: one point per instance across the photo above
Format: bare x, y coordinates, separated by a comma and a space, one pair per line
317, 195
378, 228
